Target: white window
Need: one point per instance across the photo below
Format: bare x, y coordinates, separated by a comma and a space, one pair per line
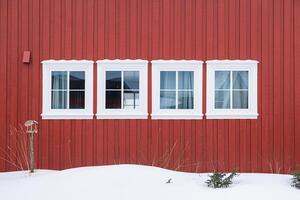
67, 89
122, 89
176, 89
231, 89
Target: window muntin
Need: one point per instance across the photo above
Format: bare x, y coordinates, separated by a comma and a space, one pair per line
231, 89
176, 90
122, 89
67, 89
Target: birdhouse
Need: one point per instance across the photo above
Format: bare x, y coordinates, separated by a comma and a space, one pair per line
31, 126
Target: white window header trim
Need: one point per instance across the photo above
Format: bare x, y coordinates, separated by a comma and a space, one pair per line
68, 62
122, 62
178, 62
232, 62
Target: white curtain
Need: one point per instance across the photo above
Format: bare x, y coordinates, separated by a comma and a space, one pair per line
186, 87
168, 90
222, 89
59, 90
240, 89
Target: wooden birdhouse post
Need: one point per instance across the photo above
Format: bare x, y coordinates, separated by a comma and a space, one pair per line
31, 129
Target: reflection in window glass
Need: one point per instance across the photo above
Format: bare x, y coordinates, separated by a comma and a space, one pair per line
115, 92
113, 99
167, 99
77, 80
76, 99
131, 99
113, 80
131, 80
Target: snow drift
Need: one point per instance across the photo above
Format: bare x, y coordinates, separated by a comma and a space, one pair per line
133, 182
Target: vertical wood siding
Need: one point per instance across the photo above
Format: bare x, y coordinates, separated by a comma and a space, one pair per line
263, 30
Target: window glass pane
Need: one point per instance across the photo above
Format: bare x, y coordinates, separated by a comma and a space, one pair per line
240, 79
76, 99
186, 80
222, 99
113, 80
185, 100
167, 100
131, 80
113, 99
222, 79
58, 99
167, 80
131, 99
77, 79
59, 80
240, 99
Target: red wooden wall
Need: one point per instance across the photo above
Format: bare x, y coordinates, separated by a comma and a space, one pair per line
264, 30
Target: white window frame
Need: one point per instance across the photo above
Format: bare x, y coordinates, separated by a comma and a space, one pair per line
231, 65
176, 65
67, 65
122, 65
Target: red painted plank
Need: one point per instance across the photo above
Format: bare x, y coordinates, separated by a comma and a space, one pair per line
110, 131
265, 87
12, 76
122, 138
3, 82
99, 142
278, 85
297, 82
287, 82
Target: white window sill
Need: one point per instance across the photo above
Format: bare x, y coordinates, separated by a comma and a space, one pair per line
231, 116
122, 115
176, 116
67, 116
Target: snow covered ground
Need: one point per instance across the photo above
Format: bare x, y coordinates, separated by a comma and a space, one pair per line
133, 182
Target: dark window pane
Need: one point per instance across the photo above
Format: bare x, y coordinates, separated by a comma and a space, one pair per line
222, 79
59, 80
113, 99
167, 80
185, 80
58, 99
77, 80
131, 99
76, 99
185, 100
113, 80
167, 99
240, 99
240, 79
222, 99
131, 80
